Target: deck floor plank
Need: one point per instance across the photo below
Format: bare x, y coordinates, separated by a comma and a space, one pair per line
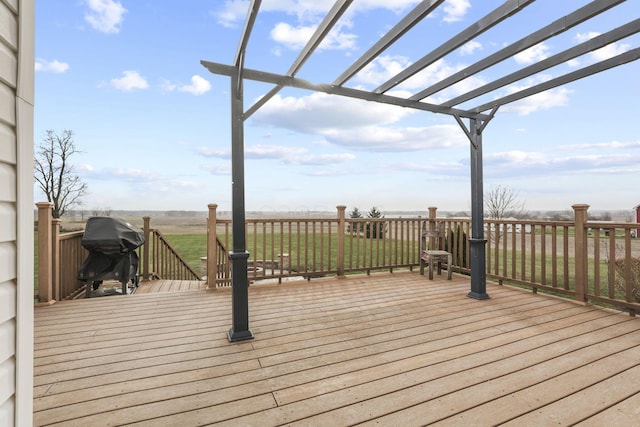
623, 413
365, 349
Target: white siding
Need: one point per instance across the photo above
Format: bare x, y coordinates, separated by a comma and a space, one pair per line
16, 212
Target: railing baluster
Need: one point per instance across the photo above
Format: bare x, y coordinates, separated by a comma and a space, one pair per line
596, 261
554, 256
523, 252
505, 232
543, 254
565, 253
532, 233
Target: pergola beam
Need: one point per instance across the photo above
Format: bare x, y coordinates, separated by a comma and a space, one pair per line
336, 12
557, 27
421, 11
559, 58
287, 81
474, 30
615, 61
252, 13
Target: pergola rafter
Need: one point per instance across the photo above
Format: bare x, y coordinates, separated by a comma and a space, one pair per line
478, 116
559, 58
558, 26
492, 19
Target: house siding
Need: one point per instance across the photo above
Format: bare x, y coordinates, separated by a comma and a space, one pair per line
16, 212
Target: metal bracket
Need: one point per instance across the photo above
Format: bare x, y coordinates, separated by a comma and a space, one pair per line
479, 129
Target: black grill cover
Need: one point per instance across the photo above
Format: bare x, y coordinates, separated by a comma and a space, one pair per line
111, 235
100, 266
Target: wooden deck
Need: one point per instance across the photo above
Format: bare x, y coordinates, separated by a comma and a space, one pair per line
157, 286
387, 349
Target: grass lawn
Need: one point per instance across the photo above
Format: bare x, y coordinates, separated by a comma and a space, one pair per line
304, 254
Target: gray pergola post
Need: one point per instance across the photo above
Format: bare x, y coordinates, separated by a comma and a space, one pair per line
477, 242
239, 255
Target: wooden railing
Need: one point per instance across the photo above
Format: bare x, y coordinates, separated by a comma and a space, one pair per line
161, 261
568, 258
72, 255
588, 261
307, 248
532, 253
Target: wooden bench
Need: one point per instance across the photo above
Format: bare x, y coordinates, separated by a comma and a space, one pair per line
432, 251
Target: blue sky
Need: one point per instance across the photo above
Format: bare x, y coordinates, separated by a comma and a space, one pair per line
153, 125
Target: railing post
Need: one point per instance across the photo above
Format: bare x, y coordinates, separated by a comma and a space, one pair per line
55, 259
212, 247
44, 251
433, 244
580, 241
145, 247
341, 234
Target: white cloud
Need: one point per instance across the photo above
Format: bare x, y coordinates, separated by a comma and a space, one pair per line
303, 10
385, 67
271, 151
318, 111
552, 98
615, 145
218, 169
321, 159
533, 54
542, 164
470, 47
395, 139
297, 37
606, 52
455, 10
232, 12
105, 16
167, 86
355, 124
288, 155
294, 38
541, 101
198, 86
382, 69
130, 80
54, 66
214, 152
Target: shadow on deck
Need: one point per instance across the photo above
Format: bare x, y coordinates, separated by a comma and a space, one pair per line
385, 349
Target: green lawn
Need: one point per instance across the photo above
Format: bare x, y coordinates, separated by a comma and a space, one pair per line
358, 252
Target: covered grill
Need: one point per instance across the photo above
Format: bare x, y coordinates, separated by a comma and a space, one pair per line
111, 243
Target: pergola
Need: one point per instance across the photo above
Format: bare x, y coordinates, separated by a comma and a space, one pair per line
477, 117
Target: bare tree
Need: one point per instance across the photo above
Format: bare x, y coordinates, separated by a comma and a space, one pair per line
503, 202
54, 171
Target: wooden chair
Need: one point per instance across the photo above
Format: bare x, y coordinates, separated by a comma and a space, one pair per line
432, 251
